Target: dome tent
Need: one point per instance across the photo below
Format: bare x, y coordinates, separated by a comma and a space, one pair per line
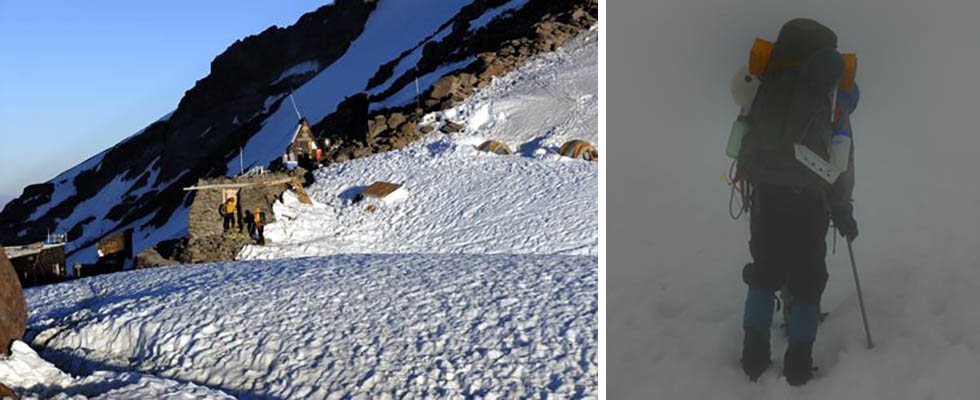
579, 149
496, 147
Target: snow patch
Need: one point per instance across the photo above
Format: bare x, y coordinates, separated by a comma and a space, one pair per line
494, 13
298, 69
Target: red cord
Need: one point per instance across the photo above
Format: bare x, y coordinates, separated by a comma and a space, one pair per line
737, 185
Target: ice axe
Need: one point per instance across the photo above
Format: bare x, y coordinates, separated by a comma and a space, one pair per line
857, 283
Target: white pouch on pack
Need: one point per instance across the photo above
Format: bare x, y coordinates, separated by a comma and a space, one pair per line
817, 164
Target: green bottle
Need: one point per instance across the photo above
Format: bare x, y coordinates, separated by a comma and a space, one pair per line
740, 127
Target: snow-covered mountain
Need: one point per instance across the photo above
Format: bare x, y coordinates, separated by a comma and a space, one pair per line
462, 200
344, 64
481, 283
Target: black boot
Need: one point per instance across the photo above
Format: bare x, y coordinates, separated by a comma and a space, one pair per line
798, 363
755, 354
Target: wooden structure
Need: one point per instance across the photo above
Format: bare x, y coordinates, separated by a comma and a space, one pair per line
496, 147
115, 249
38, 263
302, 150
579, 149
382, 191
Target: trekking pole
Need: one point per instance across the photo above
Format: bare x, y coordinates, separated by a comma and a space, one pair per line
857, 283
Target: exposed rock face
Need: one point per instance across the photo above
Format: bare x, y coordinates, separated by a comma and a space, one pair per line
13, 308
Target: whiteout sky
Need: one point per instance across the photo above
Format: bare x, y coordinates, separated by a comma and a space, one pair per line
669, 110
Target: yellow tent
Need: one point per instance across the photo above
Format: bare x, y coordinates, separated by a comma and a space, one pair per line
495, 147
579, 149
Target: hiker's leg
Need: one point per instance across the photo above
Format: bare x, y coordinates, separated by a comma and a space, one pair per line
763, 276
806, 280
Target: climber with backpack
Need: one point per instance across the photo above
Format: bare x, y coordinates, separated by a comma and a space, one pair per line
795, 173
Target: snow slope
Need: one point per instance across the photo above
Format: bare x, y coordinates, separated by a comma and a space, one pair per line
39, 379
334, 327
462, 200
551, 98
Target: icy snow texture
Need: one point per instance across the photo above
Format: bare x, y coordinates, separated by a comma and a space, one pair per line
368, 325
551, 98
31, 376
460, 201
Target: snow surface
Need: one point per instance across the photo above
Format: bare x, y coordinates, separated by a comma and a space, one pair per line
460, 201
675, 318
364, 325
34, 378
551, 98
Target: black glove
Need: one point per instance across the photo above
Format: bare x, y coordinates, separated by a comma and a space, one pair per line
843, 217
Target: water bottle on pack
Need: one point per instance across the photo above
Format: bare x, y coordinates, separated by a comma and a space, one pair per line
740, 127
840, 149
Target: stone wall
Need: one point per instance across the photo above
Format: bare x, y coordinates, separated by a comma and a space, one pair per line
204, 219
207, 241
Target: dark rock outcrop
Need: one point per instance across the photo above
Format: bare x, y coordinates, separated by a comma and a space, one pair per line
13, 308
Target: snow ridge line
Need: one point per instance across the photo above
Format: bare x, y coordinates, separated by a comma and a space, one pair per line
511, 325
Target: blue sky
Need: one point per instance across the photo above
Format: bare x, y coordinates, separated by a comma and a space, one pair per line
76, 77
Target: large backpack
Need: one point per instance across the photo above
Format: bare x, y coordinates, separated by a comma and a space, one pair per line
793, 106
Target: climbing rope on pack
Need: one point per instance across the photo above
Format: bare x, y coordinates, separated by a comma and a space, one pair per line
738, 185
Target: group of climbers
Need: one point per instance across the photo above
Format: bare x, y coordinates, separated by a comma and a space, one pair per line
253, 221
